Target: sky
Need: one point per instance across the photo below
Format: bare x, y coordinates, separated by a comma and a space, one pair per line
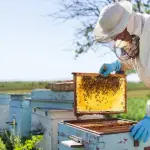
34, 47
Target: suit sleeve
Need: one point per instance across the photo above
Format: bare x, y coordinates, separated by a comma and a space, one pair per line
126, 65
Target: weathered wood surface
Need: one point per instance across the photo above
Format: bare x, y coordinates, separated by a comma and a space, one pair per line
67, 85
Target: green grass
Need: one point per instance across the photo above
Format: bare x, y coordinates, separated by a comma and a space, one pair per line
136, 108
136, 86
20, 87
4, 86
138, 93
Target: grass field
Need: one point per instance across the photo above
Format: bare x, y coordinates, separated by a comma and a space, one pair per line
137, 95
8, 86
136, 109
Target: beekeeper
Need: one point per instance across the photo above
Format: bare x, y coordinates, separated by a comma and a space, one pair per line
128, 35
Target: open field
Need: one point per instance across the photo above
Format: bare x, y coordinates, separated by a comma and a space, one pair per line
8, 86
138, 93
20, 87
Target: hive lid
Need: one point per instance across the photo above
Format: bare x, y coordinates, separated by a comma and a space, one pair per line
95, 94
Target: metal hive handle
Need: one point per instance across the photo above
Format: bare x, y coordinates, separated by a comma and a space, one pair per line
76, 139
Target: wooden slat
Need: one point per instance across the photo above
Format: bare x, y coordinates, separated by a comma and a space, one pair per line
97, 74
108, 127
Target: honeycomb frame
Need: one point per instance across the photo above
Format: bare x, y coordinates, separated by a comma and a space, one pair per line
93, 80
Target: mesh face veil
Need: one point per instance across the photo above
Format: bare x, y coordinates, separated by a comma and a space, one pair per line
126, 49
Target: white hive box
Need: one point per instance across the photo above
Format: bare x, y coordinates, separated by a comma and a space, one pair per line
48, 121
49, 108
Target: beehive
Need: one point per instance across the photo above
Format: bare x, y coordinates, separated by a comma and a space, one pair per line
95, 94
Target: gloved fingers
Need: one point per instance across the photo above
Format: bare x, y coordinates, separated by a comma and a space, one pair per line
143, 135
135, 129
147, 137
106, 73
139, 133
140, 137
102, 69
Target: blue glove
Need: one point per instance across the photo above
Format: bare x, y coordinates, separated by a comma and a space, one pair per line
106, 69
141, 131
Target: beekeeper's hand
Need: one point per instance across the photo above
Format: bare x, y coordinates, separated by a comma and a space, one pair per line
141, 131
106, 69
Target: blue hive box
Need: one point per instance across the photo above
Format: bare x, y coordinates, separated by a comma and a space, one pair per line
4, 110
48, 108
44, 98
20, 115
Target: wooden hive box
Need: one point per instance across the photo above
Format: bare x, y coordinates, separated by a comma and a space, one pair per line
67, 85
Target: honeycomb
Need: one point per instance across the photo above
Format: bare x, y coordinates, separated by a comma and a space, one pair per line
95, 93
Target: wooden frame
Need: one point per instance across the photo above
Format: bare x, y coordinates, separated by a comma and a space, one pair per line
111, 130
75, 74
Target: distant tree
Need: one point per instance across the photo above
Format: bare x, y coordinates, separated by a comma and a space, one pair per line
87, 12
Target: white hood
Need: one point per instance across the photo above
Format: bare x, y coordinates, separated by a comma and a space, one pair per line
135, 24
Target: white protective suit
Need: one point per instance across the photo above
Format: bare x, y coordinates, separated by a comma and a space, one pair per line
139, 24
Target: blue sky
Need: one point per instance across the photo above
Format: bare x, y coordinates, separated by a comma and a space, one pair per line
33, 47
